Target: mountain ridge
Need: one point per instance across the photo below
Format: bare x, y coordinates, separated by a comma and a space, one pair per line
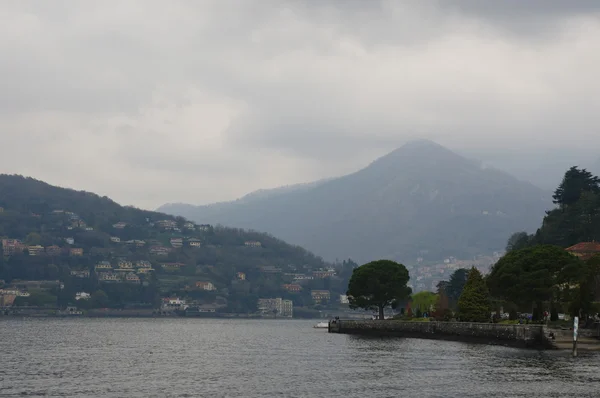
394, 208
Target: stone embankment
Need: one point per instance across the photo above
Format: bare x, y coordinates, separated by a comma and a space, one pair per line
526, 336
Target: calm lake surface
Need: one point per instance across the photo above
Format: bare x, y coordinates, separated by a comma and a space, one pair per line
269, 358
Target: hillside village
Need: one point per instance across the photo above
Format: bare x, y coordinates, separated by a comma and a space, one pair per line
60, 259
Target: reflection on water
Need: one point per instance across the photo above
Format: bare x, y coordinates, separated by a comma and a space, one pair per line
219, 358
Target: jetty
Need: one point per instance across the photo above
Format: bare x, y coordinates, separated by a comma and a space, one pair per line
521, 336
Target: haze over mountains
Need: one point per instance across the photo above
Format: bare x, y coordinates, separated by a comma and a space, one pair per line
421, 200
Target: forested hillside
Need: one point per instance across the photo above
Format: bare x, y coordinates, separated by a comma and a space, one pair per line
576, 217
135, 256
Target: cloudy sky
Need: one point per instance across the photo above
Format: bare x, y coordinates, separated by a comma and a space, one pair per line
199, 101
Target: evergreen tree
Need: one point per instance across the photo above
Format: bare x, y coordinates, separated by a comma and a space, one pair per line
574, 183
474, 302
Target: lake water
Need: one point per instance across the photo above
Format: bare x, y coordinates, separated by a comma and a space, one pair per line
249, 358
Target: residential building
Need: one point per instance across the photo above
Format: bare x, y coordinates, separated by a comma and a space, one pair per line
344, 299
270, 269
166, 224
115, 239
82, 296
89, 228
194, 242
293, 288
208, 286
108, 277
124, 264
287, 308
132, 278
136, 243
204, 227
585, 250
176, 242
35, 250
173, 304
323, 274
103, 266
120, 225
76, 252
144, 270
7, 300
143, 264
241, 276
190, 226
252, 243
80, 274
12, 246
302, 277
159, 250
276, 307
70, 241
53, 250
172, 266
319, 296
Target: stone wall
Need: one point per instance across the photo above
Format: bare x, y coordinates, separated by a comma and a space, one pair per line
488, 333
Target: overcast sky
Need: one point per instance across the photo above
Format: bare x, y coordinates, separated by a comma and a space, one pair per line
199, 101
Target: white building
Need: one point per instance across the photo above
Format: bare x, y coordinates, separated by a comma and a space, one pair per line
344, 299
82, 296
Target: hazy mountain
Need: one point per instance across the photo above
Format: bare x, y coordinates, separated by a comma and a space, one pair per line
419, 200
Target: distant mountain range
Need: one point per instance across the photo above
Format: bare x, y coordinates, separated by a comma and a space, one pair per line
421, 200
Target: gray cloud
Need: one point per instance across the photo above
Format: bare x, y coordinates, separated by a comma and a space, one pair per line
149, 102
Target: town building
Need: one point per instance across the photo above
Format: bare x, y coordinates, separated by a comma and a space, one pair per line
35, 250
189, 226
204, 227
166, 224
241, 276
53, 250
103, 266
323, 274
194, 242
115, 239
270, 269
108, 277
172, 266
82, 296
252, 243
132, 278
173, 304
160, 250
80, 274
176, 242
76, 252
276, 307
11, 247
344, 299
584, 250
208, 286
320, 296
120, 225
70, 241
292, 287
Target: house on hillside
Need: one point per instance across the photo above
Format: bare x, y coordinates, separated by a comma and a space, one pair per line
35, 250
115, 239
585, 250
319, 296
208, 286
159, 250
189, 226
193, 242
76, 252
176, 242
120, 225
252, 243
241, 276
53, 250
292, 287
